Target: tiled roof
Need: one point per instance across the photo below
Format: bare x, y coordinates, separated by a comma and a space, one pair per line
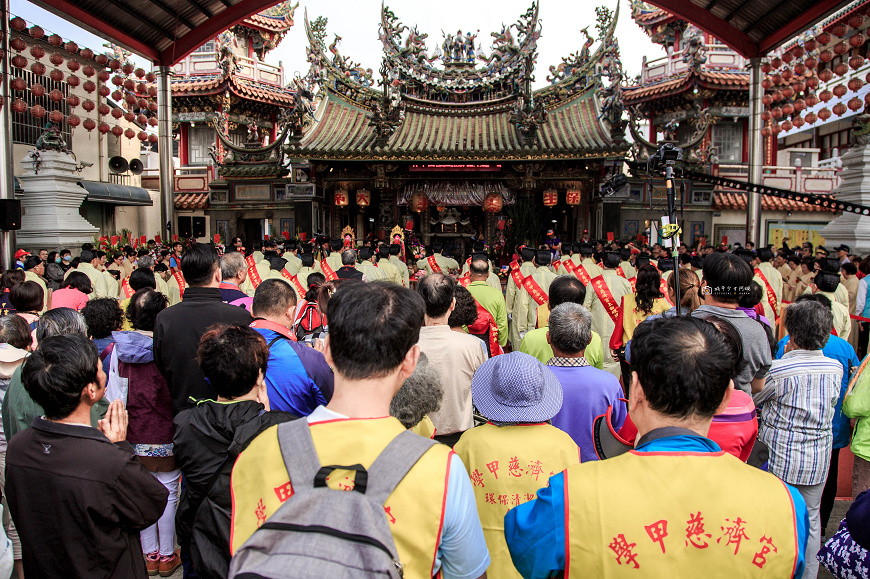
674, 85
572, 130
737, 200
197, 84
272, 23
191, 200
649, 17
204, 85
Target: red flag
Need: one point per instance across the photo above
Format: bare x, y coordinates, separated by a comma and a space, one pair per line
286, 235
217, 238
175, 237
725, 239
303, 236
143, 239
609, 236
157, 238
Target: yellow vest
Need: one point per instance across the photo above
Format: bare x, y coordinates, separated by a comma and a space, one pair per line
663, 514
424, 428
415, 510
507, 465
631, 317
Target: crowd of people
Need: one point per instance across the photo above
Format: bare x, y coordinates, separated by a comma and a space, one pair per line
168, 408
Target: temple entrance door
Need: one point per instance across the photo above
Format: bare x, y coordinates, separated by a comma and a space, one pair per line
253, 230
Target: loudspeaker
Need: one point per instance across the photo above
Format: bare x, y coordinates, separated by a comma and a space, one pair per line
118, 165
136, 166
10, 214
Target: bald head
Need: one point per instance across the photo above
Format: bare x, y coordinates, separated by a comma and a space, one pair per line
479, 270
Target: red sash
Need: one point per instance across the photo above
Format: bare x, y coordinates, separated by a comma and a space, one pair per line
433, 264
599, 286
464, 280
663, 287
633, 281
582, 274
771, 297
539, 295
328, 271
249, 259
125, 285
277, 328
293, 280
254, 275
569, 266
557, 264
180, 279
620, 273
516, 275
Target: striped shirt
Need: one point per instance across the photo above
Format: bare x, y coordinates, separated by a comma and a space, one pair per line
797, 409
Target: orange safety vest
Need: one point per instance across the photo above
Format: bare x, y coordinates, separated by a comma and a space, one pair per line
656, 514
415, 510
507, 466
180, 279
599, 286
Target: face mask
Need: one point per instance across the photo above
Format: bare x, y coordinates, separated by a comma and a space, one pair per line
67, 258
56, 260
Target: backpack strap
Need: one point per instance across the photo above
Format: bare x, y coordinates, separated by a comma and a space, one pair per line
394, 462
300, 456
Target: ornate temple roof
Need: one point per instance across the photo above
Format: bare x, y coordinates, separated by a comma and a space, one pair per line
727, 199
217, 84
733, 80
191, 200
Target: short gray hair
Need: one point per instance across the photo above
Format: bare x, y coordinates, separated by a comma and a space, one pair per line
809, 324
145, 261
59, 322
348, 257
232, 264
420, 394
570, 328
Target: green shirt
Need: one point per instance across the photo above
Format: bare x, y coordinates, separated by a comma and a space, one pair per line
535, 344
492, 301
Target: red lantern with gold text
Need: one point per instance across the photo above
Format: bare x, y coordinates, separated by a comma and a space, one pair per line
129, 84
811, 62
19, 106
152, 122
826, 55
856, 62
37, 111
37, 90
798, 122
141, 119
824, 114
841, 69
152, 91
840, 30
840, 90
572, 196
152, 106
551, 197
363, 197
854, 104
418, 202
493, 202
811, 118
341, 198
141, 88
798, 86
839, 109
826, 74
150, 77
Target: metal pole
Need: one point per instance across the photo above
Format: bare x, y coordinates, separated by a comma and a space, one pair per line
756, 152
164, 146
675, 240
7, 180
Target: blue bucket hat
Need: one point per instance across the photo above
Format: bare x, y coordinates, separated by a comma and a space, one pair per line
516, 387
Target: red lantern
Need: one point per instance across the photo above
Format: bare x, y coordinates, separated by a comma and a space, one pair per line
129, 116
55, 40
811, 118
798, 87
141, 119
114, 64
857, 40
36, 31
37, 52
89, 105
787, 57
127, 68
152, 106
55, 95
37, 68
841, 48
18, 24
130, 99
776, 129
18, 83
839, 90
787, 109
800, 68
103, 75
129, 84
493, 202
142, 103
811, 62
551, 197
129, 133
73, 121
37, 89
152, 91
798, 51
418, 202
19, 61
56, 117
787, 92
841, 69
139, 72
766, 116
787, 73
104, 109
826, 95
56, 75
56, 58
117, 131
19, 106
89, 86
854, 104
799, 105
776, 62
103, 90
142, 136
141, 88
73, 80
101, 59
87, 53
150, 77
811, 100
777, 96
811, 44
826, 74
812, 82
18, 44
117, 80
73, 65
363, 198
73, 100
798, 122
152, 122
856, 62
855, 84
572, 197
117, 96
766, 132
89, 125
824, 114
341, 197
777, 79
766, 84
840, 30
826, 55
37, 111
117, 113
152, 138
71, 47
767, 100
103, 128
856, 20
776, 112
766, 68
787, 126
839, 109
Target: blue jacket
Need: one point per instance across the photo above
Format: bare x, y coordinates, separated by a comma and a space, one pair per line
298, 379
842, 351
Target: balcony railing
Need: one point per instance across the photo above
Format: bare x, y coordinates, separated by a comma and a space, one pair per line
819, 179
199, 63
719, 57
187, 179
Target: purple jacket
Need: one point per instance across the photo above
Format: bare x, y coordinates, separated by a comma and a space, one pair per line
148, 402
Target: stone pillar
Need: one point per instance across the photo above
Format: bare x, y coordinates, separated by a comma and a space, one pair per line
756, 152
7, 182
851, 228
164, 153
50, 202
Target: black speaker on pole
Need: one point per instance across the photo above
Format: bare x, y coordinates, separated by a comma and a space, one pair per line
10, 214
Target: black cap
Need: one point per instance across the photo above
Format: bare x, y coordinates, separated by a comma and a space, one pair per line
764, 254
624, 254
336, 245
290, 245
365, 253
543, 257
745, 254
395, 249
527, 253
478, 246
586, 248
830, 264
269, 243
641, 260
480, 255
843, 247
384, 252
666, 264
277, 263
307, 259
31, 262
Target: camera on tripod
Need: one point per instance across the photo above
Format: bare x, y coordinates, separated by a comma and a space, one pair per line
668, 154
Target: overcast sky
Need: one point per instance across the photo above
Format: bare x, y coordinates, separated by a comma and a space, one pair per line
356, 21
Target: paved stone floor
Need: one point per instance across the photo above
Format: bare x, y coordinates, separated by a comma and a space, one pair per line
837, 515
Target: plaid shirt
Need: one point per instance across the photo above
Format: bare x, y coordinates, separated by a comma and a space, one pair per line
797, 409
